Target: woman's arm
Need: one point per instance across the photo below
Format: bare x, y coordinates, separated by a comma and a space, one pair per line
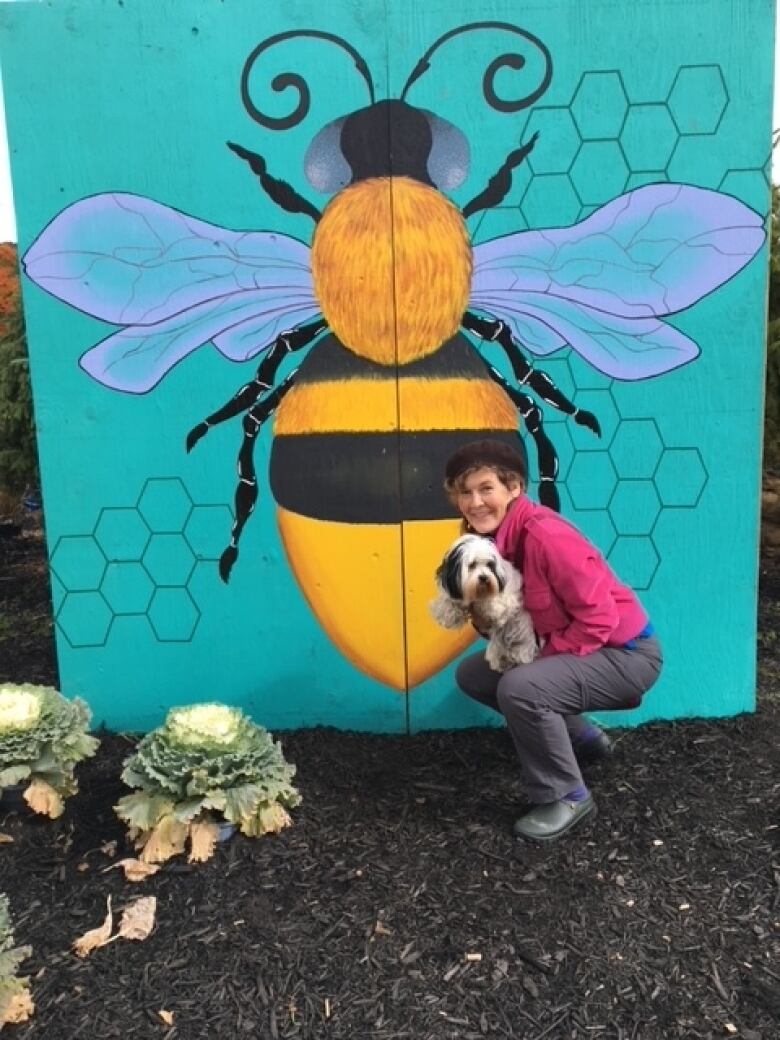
579, 578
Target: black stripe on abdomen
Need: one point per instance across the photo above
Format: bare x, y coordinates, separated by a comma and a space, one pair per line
329, 360
369, 478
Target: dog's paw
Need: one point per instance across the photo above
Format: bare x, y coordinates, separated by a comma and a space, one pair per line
495, 658
526, 655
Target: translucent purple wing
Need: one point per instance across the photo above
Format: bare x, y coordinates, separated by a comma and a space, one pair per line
135, 359
623, 348
175, 281
645, 255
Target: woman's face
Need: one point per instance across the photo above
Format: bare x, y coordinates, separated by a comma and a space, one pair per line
484, 500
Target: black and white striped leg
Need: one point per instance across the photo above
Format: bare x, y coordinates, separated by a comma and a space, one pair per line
250, 392
493, 331
246, 490
545, 450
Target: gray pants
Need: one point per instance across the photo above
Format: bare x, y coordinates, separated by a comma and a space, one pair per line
542, 701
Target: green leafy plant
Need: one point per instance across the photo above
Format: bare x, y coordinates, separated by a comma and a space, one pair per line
15, 1001
43, 736
18, 456
206, 763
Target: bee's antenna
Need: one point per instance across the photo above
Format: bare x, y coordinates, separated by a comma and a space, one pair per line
512, 61
292, 79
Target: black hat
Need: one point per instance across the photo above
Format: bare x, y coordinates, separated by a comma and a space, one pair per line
477, 454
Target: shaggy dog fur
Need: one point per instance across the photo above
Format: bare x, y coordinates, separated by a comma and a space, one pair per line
476, 584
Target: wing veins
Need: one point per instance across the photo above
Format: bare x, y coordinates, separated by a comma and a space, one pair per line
177, 334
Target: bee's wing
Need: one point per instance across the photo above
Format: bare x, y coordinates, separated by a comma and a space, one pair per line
176, 282
600, 285
622, 348
135, 359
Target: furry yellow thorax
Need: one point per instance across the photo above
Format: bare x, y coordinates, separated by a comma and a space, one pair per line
391, 261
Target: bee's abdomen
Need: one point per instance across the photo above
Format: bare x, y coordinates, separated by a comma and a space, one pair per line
360, 443
337, 392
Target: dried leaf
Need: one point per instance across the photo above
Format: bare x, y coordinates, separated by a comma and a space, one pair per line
381, 929
135, 869
18, 1009
203, 838
42, 798
166, 1016
108, 848
96, 937
165, 840
269, 819
6, 839
138, 919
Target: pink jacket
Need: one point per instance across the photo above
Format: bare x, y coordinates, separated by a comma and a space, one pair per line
576, 602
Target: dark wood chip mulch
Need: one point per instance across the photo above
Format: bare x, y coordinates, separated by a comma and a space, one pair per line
399, 906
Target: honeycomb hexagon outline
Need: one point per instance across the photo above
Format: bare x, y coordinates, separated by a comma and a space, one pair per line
640, 582
70, 627
74, 582
603, 191
633, 518
115, 549
644, 111
683, 69
169, 590
636, 470
657, 477
152, 488
615, 127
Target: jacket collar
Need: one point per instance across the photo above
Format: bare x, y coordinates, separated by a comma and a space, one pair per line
515, 520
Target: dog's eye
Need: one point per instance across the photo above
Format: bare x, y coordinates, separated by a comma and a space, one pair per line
473, 565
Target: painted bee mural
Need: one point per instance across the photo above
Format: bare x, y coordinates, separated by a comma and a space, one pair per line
390, 298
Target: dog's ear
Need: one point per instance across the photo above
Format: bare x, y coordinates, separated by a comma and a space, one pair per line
447, 612
449, 574
495, 565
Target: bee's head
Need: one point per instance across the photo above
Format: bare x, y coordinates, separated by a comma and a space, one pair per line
388, 137
392, 137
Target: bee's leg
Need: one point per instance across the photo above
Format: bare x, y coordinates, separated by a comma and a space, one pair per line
280, 192
501, 181
525, 374
244, 398
545, 451
246, 491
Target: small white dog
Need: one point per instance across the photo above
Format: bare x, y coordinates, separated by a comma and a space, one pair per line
476, 584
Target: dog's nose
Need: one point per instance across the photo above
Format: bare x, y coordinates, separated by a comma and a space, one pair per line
482, 579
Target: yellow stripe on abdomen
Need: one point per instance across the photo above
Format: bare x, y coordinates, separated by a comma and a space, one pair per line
383, 406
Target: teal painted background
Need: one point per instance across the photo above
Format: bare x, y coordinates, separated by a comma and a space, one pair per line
141, 97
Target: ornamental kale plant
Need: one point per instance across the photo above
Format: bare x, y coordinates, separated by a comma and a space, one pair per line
206, 763
42, 738
15, 1001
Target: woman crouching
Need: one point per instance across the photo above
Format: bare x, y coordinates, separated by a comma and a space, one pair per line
599, 651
